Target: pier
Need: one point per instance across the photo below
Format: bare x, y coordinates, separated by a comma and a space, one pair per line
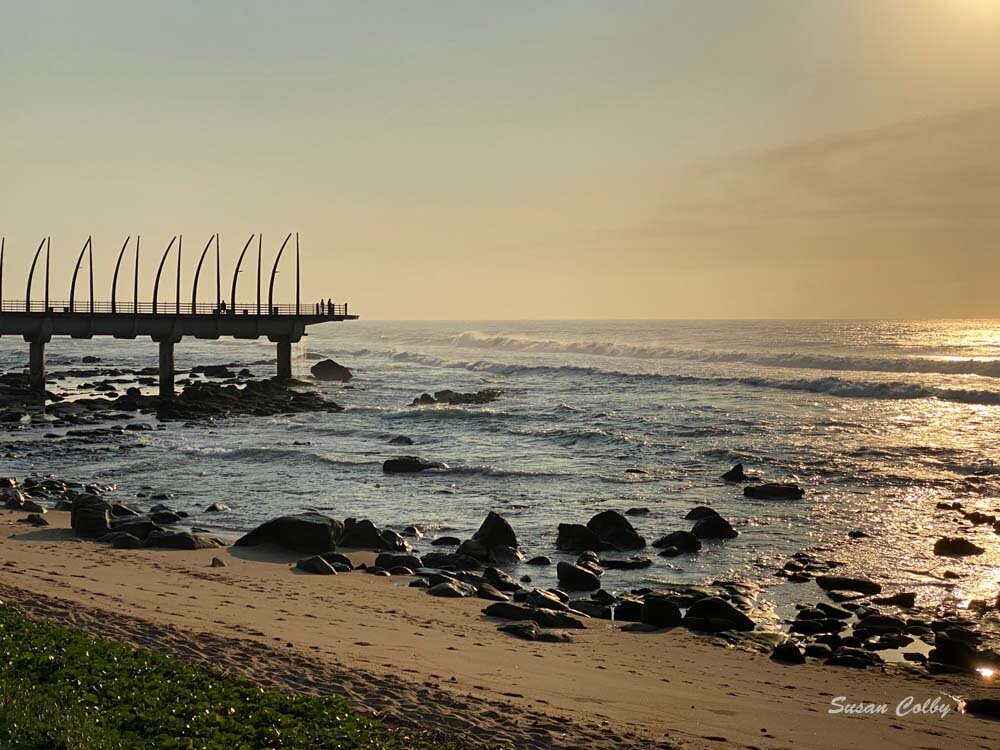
165, 322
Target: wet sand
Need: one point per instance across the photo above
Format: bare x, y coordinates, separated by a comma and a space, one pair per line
438, 664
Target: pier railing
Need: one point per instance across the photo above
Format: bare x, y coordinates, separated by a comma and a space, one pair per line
85, 307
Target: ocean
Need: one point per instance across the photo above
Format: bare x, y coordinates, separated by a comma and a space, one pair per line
877, 420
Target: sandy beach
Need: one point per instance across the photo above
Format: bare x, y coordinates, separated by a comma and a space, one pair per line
440, 665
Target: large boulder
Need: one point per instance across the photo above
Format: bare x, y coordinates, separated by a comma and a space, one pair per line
660, 612
714, 615
714, 527
577, 578
951, 546
495, 532
575, 537
327, 369
308, 533
774, 491
614, 530
410, 465
90, 517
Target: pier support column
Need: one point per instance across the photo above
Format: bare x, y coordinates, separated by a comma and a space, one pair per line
166, 369
36, 362
284, 359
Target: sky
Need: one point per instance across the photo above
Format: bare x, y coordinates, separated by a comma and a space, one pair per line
518, 160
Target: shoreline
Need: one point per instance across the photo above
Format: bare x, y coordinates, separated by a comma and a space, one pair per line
425, 663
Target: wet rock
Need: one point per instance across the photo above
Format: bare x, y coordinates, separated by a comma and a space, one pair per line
637, 512
446, 541
577, 578
316, 565
877, 624
307, 533
699, 513
575, 537
683, 541
856, 534
834, 612
327, 369
818, 651
904, 599
660, 612
413, 532
338, 560
217, 508
714, 615
452, 561
714, 527
631, 563
856, 658
390, 560
843, 583
736, 474
164, 517
774, 491
410, 465
539, 560
614, 530
489, 591
497, 538
789, 653
454, 398
956, 547
401, 440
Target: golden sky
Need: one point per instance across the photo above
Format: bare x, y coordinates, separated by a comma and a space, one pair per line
566, 159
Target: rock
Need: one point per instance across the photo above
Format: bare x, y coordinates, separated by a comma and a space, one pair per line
126, 541
956, 547
454, 561
789, 653
877, 624
842, 583
714, 527
338, 560
452, 589
34, 519
315, 564
835, 613
904, 599
410, 465
540, 560
575, 537
307, 533
183, 540
446, 541
90, 517
89, 359
614, 530
500, 580
530, 631
700, 512
736, 474
454, 398
327, 369
164, 517
714, 615
495, 532
412, 532
217, 563
30, 506
670, 552
390, 560
631, 563
774, 491
217, 508
856, 534
544, 617
489, 591
363, 534
401, 440
660, 612
983, 707
684, 541
577, 578
856, 658
138, 526
637, 512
